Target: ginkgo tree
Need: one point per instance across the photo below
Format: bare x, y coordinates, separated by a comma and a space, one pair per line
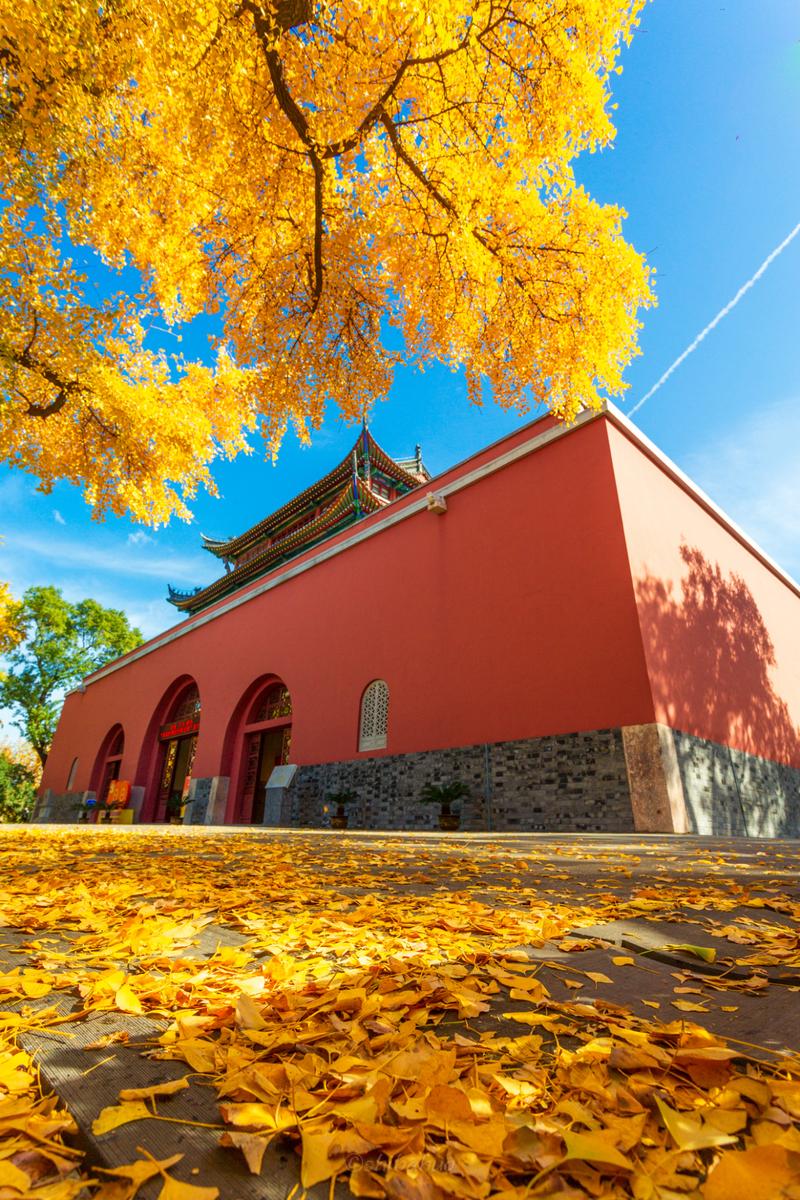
10, 633
345, 186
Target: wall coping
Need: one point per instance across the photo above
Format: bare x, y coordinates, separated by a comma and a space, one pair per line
657, 456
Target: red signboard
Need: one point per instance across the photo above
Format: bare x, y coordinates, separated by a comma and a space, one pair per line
177, 729
119, 792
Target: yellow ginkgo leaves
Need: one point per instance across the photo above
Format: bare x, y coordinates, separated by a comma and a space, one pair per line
374, 168
120, 1114
690, 1133
592, 1148
404, 1039
129, 1178
157, 1089
761, 1173
13, 1177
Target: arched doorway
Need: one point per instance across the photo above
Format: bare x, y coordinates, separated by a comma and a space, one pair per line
177, 739
266, 743
108, 763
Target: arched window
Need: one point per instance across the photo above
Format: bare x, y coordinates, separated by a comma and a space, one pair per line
72, 773
374, 716
272, 703
187, 707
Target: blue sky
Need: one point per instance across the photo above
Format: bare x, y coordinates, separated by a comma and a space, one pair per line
707, 164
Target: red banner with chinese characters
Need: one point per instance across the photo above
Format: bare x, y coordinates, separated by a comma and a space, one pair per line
177, 729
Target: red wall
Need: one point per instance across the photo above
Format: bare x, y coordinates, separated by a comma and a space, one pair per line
720, 630
510, 616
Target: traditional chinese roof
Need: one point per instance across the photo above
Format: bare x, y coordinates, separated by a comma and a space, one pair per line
363, 482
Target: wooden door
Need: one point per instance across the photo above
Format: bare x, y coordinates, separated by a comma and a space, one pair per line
252, 760
167, 773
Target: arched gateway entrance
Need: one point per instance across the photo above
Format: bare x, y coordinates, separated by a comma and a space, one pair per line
177, 742
108, 762
265, 742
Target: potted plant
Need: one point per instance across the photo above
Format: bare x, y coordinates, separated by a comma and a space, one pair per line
88, 809
175, 808
340, 800
445, 795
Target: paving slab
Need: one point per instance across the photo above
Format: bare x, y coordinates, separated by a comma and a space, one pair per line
669, 942
87, 1081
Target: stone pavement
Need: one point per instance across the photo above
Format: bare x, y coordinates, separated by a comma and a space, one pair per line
726, 937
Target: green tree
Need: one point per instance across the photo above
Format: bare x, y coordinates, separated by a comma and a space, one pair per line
61, 643
17, 786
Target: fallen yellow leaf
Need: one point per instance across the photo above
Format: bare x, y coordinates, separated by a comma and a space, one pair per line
759, 1173
706, 953
688, 1133
252, 1145
157, 1089
316, 1166
143, 1169
120, 1114
13, 1177
593, 1148
173, 1189
127, 1001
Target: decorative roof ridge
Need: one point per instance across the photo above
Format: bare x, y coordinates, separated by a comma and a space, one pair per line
229, 547
176, 594
211, 543
415, 465
260, 563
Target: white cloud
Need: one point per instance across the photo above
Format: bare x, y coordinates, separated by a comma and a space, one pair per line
107, 558
139, 538
752, 470
151, 616
57, 517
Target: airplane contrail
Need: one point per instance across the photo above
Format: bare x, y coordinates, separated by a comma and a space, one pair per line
712, 324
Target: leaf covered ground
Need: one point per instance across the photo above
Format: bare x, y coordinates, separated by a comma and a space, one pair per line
414, 1019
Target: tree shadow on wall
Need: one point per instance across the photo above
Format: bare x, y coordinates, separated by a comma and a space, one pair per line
711, 659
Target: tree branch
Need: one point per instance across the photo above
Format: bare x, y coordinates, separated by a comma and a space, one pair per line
64, 387
408, 161
431, 188
266, 27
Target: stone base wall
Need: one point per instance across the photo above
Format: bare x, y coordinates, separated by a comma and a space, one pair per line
728, 792
59, 809
572, 783
646, 778
206, 801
